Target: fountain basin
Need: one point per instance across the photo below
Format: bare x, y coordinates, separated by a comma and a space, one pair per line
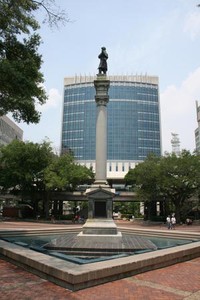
76, 276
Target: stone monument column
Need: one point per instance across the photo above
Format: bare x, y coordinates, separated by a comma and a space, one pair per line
100, 195
101, 85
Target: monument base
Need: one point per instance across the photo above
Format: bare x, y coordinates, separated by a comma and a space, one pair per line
100, 203
100, 227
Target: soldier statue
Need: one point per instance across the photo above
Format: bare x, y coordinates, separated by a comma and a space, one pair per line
103, 56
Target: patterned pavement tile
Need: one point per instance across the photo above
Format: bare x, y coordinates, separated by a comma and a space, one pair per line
123, 290
184, 276
27, 286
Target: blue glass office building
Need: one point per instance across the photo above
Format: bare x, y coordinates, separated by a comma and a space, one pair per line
133, 121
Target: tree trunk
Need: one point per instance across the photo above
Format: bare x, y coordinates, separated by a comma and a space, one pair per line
177, 212
60, 208
46, 203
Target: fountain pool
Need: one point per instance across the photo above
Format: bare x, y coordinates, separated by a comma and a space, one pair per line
74, 272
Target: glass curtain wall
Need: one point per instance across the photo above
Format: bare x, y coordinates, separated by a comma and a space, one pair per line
133, 120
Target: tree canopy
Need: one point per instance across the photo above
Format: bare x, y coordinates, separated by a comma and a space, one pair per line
21, 81
144, 178
168, 178
33, 171
65, 173
179, 178
22, 165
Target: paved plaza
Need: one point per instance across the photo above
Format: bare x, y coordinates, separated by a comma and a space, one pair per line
180, 281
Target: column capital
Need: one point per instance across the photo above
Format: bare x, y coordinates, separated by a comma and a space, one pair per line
102, 85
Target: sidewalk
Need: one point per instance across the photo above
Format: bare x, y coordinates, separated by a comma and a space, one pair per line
180, 281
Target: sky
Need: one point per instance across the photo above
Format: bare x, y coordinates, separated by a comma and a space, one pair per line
153, 37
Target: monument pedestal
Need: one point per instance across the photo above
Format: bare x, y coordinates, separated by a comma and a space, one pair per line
100, 210
100, 227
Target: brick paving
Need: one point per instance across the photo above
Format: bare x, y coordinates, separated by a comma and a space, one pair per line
180, 281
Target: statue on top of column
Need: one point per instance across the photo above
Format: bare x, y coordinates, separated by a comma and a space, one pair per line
103, 56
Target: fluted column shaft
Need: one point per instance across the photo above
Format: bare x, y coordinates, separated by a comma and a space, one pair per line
101, 98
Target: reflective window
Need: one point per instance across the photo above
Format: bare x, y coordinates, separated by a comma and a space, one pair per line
133, 121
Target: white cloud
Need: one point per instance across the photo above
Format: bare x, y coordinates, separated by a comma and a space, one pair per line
54, 100
178, 112
192, 24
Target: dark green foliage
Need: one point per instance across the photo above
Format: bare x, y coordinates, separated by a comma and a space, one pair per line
169, 178
144, 178
32, 171
64, 173
22, 165
21, 80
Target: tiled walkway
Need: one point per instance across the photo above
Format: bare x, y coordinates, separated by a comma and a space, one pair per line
180, 281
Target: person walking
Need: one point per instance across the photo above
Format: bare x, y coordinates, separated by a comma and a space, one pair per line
173, 221
168, 220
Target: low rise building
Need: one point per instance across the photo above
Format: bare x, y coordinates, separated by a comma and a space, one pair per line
9, 131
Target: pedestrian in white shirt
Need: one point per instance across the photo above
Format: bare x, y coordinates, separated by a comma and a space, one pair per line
168, 221
173, 220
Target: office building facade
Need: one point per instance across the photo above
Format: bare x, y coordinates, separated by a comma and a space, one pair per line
9, 131
133, 121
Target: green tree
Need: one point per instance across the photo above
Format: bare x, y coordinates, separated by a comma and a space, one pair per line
22, 168
169, 178
21, 80
33, 171
144, 179
179, 178
128, 209
65, 173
